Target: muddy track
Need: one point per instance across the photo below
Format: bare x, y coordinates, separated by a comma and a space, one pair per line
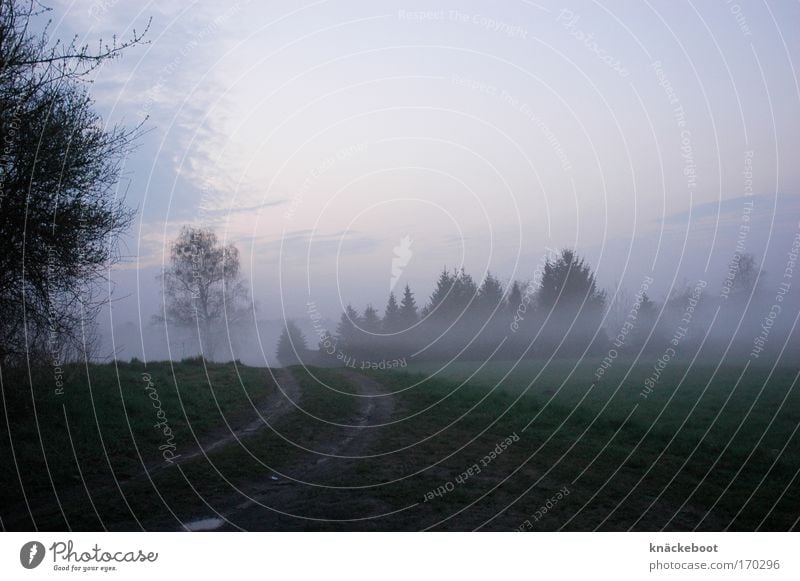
268, 411
246, 424
373, 411
306, 481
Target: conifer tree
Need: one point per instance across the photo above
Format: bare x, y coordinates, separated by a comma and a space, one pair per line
371, 322
346, 331
408, 309
391, 316
490, 295
444, 287
569, 282
292, 346
514, 299
464, 295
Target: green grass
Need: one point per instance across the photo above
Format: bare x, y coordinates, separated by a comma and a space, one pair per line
103, 425
110, 419
707, 442
699, 437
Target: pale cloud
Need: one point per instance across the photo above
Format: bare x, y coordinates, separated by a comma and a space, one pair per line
275, 117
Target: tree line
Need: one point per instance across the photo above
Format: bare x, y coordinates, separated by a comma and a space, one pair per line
61, 218
562, 313
467, 319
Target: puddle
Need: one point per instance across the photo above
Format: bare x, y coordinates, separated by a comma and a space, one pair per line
205, 524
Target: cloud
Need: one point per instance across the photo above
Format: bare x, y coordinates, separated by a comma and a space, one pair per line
211, 209
300, 244
177, 81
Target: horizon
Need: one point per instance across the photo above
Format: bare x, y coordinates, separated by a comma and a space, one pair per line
317, 137
351, 266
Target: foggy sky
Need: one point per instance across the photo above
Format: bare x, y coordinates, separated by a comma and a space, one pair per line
316, 136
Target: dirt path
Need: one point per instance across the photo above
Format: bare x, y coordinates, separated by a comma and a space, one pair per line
270, 407
307, 486
269, 410
373, 411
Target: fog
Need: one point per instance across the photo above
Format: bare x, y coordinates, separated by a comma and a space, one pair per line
659, 145
719, 277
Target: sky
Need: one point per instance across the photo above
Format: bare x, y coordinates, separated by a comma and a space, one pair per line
324, 138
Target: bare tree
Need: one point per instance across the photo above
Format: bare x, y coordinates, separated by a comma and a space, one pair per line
60, 216
203, 288
744, 277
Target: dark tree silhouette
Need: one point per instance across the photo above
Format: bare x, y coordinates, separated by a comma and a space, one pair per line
490, 295
346, 331
514, 299
453, 295
60, 216
746, 277
569, 282
630, 321
408, 309
292, 348
370, 342
203, 288
391, 316
371, 322
464, 295
327, 350
570, 305
437, 305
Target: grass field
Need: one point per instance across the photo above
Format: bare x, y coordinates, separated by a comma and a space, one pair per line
470, 446
708, 447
